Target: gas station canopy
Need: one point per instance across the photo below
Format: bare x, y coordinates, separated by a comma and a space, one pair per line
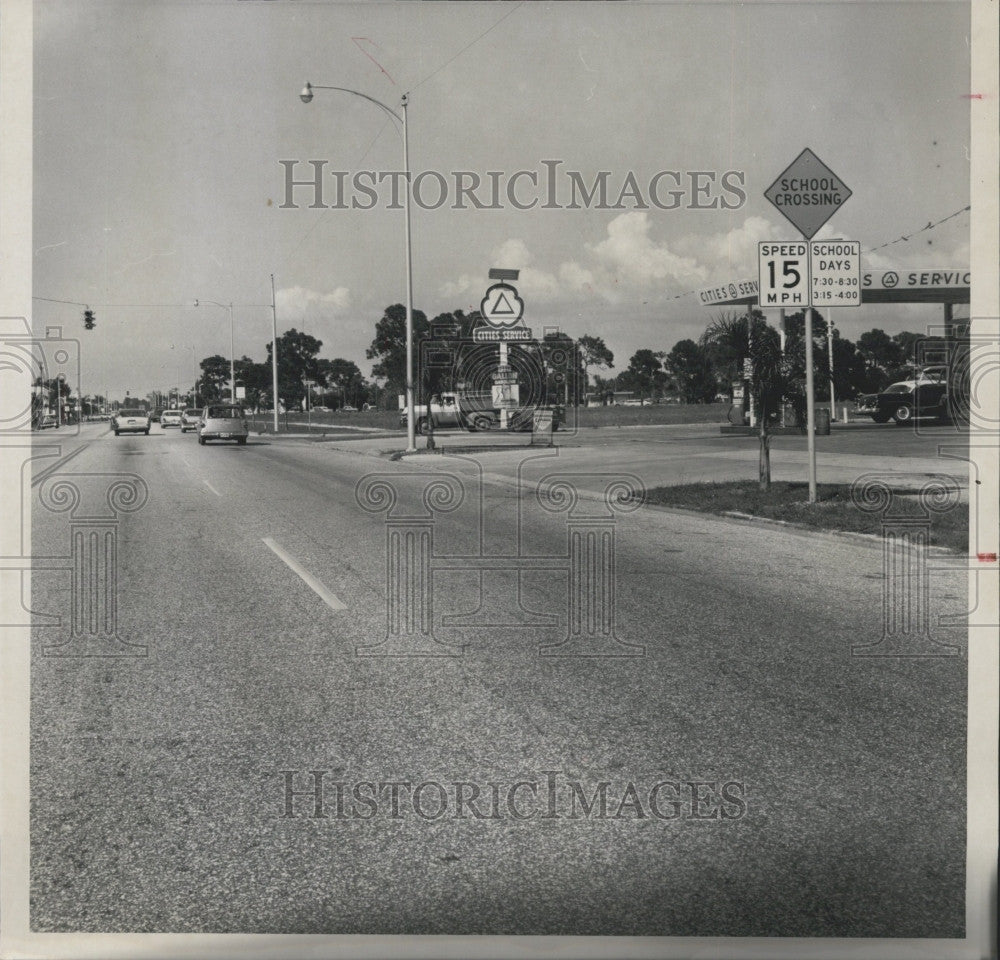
877, 286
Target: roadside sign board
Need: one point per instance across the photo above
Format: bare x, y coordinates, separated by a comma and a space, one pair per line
490, 335
784, 273
736, 292
946, 285
807, 193
941, 285
835, 269
506, 396
502, 307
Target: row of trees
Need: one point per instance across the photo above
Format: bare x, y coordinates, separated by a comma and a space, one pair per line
334, 383
694, 371
699, 371
338, 382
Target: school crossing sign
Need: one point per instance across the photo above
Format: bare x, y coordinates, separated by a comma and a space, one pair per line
807, 193
810, 272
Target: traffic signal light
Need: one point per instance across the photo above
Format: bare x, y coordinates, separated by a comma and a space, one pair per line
88, 319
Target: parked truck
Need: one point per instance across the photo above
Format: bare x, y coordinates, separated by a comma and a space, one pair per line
471, 411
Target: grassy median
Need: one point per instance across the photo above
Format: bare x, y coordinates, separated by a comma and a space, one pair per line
834, 509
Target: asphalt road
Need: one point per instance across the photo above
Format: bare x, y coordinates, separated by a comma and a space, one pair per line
806, 791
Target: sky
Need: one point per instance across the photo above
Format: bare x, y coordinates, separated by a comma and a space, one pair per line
160, 131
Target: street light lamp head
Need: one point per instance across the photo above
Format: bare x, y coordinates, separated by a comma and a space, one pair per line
307, 93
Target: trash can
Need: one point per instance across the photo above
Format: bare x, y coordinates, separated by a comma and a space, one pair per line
822, 420
541, 428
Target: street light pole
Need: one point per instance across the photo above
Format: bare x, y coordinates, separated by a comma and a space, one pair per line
411, 435
274, 354
306, 96
232, 354
232, 343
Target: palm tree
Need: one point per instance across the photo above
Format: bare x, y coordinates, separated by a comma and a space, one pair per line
733, 338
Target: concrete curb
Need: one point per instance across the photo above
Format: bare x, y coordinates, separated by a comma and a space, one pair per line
748, 519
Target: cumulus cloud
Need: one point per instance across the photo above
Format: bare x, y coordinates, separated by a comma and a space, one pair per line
629, 253
300, 301
627, 260
514, 255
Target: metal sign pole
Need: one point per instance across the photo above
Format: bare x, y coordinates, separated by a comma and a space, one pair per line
503, 366
810, 406
829, 353
782, 337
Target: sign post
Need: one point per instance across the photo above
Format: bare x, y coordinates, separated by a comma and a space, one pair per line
502, 309
807, 193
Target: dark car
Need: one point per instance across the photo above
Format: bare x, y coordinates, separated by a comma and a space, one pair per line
924, 396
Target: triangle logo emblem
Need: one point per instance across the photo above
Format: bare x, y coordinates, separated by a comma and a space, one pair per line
501, 306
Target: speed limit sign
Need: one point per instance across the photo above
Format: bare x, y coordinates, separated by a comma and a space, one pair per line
784, 274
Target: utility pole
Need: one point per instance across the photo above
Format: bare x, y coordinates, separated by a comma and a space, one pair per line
274, 353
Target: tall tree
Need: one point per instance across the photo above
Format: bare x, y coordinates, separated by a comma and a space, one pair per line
691, 368
256, 381
880, 351
645, 373
594, 353
444, 356
850, 373
343, 379
388, 348
296, 363
214, 377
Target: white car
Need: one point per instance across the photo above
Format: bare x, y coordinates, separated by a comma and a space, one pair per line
170, 418
189, 419
223, 421
130, 421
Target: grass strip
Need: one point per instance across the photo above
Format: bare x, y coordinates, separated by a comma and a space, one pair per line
833, 510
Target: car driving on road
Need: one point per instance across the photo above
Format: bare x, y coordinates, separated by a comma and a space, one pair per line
170, 418
222, 421
130, 420
189, 419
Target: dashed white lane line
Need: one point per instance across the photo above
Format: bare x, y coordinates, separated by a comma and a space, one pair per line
330, 599
210, 487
